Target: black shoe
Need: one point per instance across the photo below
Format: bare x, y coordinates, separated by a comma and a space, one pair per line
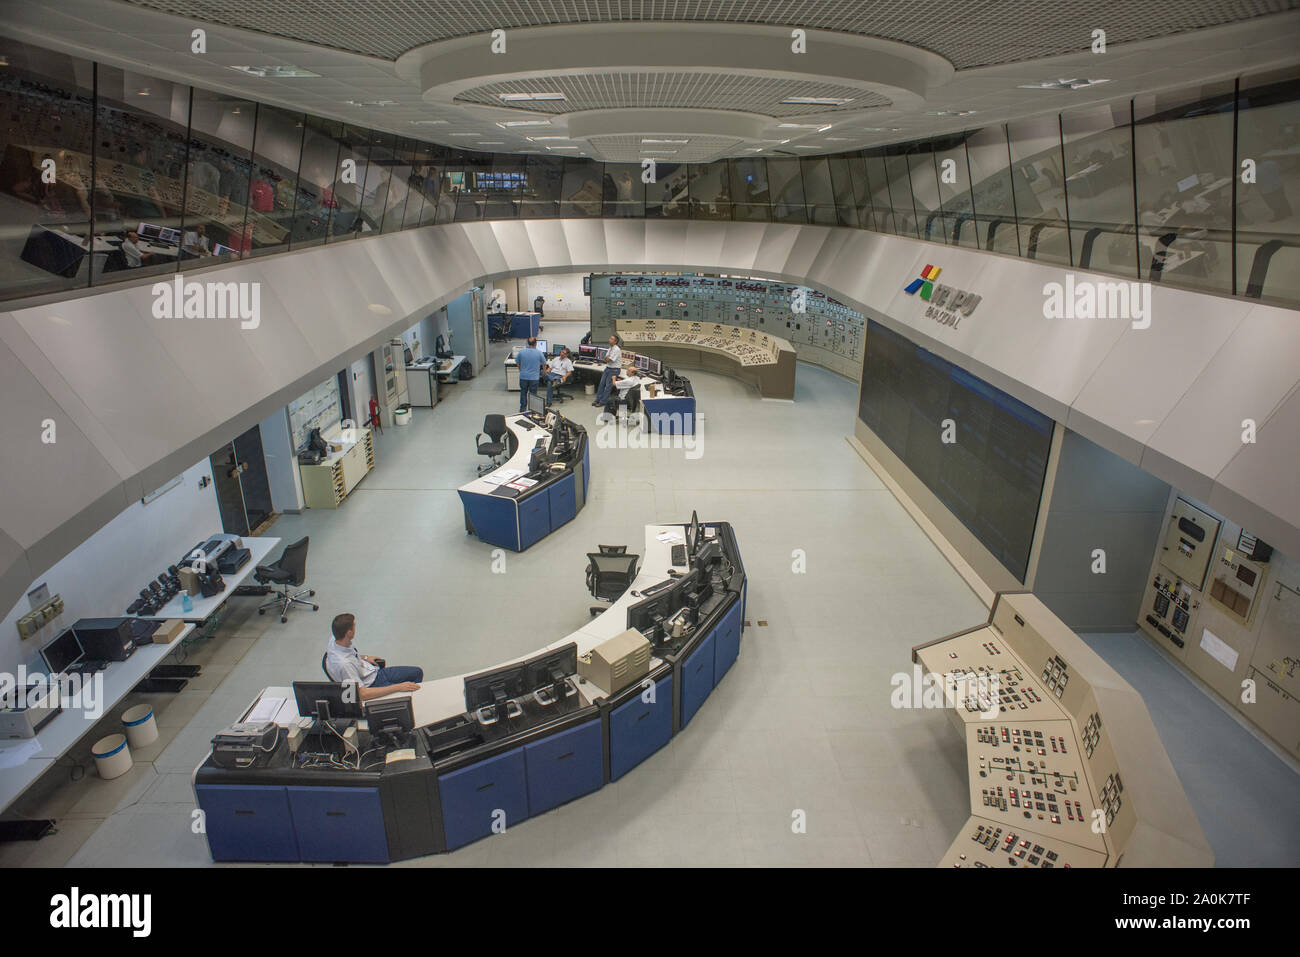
597, 403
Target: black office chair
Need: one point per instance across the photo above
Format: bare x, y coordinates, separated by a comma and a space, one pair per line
289, 571
494, 426
610, 572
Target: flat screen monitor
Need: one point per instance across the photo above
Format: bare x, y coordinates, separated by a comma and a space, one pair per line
325, 700
654, 366
543, 345
536, 403
220, 250
643, 363
481, 689
390, 716
62, 653
172, 236
148, 231
545, 669
587, 352
601, 353
693, 534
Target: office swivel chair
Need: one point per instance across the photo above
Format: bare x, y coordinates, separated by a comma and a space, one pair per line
494, 426
610, 572
289, 571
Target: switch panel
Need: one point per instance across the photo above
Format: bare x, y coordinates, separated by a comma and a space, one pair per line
986, 843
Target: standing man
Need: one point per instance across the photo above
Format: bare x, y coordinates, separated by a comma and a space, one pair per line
559, 371
613, 366
531, 361
344, 664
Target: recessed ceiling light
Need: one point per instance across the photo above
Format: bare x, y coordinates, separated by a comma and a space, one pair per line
519, 97
538, 139
510, 123
428, 122
664, 141
838, 139
817, 100
950, 112
880, 129
800, 126
658, 152
141, 92
370, 102
801, 146
491, 142
561, 147
274, 72
464, 134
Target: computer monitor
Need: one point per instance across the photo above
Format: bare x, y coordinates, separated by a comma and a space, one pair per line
587, 352
62, 653
543, 345
390, 716
693, 534
551, 667
148, 231
220, 250
643, 363
601, 353
494, 687
536, 403
172, 236
326, 700
654, 366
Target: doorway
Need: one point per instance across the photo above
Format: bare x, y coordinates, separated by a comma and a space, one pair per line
242, 487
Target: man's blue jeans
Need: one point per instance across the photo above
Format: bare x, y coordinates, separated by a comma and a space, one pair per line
396, 674
606, 384
526, 386
551, 381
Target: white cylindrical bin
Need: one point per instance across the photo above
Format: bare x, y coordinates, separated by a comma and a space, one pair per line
112, 756
589, 389
141, 729
402, 416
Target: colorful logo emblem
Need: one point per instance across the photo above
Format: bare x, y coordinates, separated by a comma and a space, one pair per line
925, 284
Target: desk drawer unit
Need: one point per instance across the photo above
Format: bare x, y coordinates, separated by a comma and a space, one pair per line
472, 796
726, 638
339, 824
697, 677
637, 729
248, 822
564, 766
534, 518
564, 503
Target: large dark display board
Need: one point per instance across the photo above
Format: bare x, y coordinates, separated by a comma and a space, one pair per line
991, 476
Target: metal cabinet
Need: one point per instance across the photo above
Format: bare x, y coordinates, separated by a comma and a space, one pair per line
697, 678
248, 822
339, 824
637, 729
477, 797
726, 641
564, 766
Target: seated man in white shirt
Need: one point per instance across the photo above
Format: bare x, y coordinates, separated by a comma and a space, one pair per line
195, 241
558, 371
344, 664
135, 257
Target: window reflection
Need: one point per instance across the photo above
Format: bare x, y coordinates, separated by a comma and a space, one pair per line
540, 195
583, 190
925, 193
786, 185
1038, 182
1099, 186
346, 221
1268, 210
46, 104
272, 190
667, 196
899, 191
990, 174
624, 191
317, 173
710, 195
749, 193
954, 192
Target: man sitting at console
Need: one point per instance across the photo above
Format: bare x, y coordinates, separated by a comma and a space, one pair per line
559, 370
344, 663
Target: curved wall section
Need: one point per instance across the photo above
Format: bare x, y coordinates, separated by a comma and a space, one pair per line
136, 399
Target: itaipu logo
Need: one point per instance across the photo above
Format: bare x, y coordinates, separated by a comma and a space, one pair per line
948, 306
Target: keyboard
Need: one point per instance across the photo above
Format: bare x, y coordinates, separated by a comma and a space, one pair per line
526, 424
679, 555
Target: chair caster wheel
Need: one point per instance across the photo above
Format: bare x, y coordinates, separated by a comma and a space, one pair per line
311, 594
261, 611
315, 607
283, 619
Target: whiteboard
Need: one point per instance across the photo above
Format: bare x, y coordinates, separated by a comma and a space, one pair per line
319, 408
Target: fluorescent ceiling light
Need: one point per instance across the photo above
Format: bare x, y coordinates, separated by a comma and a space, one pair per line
521, 97
370, 102
838, 139
274, 72
492, 143
538, 139
799, 126
664, 141
428, 122
801, 146
664, 152
1072, 84
464, 134
817, 100
509, 123
950, 113
561, 147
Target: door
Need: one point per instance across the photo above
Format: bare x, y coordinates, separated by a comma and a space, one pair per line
230, 496
240, 481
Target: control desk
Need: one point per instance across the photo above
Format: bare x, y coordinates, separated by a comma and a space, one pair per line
460, 774
1065, 766
765, 361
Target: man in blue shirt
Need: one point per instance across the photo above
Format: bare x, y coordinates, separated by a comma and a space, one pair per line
531, 361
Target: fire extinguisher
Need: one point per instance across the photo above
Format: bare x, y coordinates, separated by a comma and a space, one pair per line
374, 412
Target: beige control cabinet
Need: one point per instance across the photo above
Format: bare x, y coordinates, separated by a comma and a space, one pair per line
326, 485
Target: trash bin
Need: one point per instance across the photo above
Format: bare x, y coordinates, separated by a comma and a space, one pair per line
402, 415
141, 729
589, 389
112, 756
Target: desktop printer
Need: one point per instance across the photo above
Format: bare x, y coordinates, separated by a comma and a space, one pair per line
246, 744
19, 722
106, 639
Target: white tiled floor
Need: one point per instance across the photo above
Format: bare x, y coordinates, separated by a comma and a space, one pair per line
801, 723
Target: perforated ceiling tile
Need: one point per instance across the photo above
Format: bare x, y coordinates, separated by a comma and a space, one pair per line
968, 34
634, 149
714, 91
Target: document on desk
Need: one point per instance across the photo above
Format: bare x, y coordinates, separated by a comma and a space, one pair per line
19, 753
671, 538
267, 709
522, 483
502, 476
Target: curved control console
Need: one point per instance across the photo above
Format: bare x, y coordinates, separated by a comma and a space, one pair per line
548, 737
765, 361
529, 496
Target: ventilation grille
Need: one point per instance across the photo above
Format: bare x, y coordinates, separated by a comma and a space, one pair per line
967, 34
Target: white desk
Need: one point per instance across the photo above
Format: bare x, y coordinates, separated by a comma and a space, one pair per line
445, 697
525, 439
445, 372
66, 729
204, 607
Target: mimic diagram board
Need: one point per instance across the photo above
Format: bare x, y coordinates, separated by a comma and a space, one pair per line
822, 330
1053, 781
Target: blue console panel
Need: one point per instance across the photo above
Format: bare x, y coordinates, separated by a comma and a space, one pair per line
564, 766
726, 639
697, 677
638, 729
472, 797
248, 822
339, 824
